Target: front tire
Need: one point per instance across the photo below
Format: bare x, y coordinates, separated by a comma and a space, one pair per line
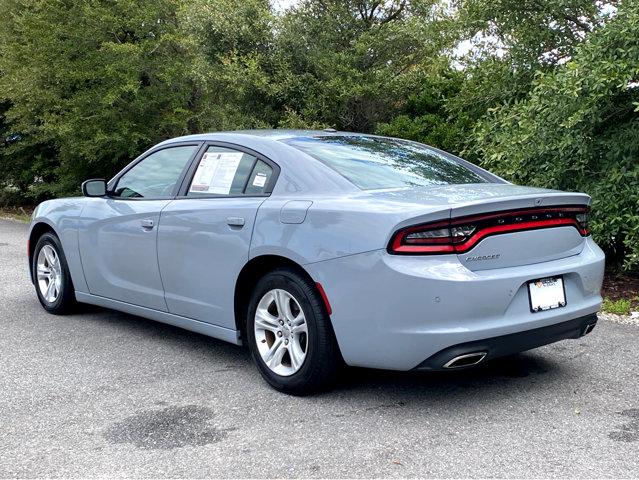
290, 334
51, 275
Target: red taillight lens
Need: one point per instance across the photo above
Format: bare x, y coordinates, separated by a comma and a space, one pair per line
429, 238
582, 220
459, 235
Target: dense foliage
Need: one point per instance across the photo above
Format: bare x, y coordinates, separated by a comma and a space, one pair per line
543, 92
578, 129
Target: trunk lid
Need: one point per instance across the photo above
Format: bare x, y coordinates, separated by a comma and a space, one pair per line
543, 215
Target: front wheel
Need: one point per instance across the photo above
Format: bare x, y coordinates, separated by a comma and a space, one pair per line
51, 275
290, 335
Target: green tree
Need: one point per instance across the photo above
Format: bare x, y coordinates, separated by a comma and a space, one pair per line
350, 64
578, 129
512, 40
234, 44
90, 84
425, 116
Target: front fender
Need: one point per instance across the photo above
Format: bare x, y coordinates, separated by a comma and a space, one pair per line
62, 217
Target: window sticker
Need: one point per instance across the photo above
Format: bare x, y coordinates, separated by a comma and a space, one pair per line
259, 180
215, 173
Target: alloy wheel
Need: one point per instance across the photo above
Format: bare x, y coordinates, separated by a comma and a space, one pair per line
281, 332
49, 273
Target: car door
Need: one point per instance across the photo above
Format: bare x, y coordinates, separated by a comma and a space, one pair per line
205, 233
118, 232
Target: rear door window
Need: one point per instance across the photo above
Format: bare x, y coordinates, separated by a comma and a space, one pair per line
260, 178
228, 172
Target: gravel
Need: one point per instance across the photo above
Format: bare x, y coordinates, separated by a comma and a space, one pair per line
632, 319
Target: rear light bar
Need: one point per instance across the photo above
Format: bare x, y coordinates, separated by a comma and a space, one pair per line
459, 235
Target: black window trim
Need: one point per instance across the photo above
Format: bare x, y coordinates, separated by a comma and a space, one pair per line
114, 181
190, 173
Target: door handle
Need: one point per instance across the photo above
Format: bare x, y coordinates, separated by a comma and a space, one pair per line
147, 223
235, 221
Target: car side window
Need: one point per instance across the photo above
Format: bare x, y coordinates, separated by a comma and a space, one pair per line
259, 179
227, 172
156, 175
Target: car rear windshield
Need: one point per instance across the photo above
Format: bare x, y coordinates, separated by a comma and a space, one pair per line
374, 162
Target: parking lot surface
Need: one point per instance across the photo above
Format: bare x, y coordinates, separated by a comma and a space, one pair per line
102, 393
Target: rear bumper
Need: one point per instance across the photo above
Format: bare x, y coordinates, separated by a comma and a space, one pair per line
392, 312
512, 343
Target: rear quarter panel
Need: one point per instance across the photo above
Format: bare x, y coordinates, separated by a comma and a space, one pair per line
332, 227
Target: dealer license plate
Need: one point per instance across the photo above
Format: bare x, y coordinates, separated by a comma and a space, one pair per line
546, 294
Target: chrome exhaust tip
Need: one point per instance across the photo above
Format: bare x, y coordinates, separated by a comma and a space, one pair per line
589, 328
467, 360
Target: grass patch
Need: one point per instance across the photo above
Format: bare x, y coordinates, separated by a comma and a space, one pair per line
621, 306
621, 293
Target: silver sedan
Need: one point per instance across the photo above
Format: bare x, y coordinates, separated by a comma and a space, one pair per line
318, 248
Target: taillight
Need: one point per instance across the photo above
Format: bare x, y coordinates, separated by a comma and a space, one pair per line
582, 220
459, 235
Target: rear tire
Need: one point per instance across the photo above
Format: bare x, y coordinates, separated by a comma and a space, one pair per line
51, 275
291, 337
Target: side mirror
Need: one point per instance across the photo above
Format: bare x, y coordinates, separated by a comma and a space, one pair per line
96, 187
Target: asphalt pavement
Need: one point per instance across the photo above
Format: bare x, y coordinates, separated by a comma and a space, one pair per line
106, 394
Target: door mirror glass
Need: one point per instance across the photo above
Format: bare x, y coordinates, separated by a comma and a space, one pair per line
96, 187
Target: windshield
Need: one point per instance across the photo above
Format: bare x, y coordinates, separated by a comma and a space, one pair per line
373, 163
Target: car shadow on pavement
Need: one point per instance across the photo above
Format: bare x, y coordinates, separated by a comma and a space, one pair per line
500, 370
502, 381
496, 375
170, 335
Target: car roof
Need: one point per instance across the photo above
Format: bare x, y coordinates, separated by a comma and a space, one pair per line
270, 134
